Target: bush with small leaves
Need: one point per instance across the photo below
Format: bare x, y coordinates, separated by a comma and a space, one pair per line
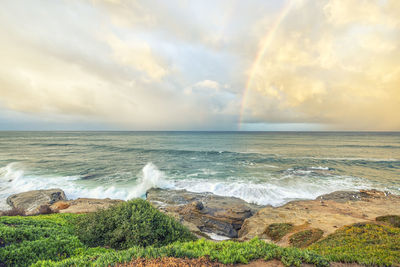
392, 220
278, 230
26, 240
128, 224
305, 238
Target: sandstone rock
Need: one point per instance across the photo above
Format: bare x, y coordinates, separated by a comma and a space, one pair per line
83, 205
32, 202
327, 212
60, 205
209, 213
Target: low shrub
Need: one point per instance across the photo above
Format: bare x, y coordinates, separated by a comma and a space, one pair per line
364, 243
392, 220
13, 212
26, 240
128, 224
305, 238
278, 230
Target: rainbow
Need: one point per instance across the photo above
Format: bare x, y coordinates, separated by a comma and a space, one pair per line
266, 42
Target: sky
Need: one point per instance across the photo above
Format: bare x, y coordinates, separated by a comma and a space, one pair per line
200, 65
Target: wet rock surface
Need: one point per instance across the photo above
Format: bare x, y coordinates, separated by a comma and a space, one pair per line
327, 212
36, 201
205, 211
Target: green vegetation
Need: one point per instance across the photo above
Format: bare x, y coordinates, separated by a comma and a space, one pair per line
25, 240
305, 238
61, 240
227, 252
392, 220
131, 223
364, 243
51, 240
278, 230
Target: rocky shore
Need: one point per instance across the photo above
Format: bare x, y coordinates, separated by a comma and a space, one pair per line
204, 212
214, 216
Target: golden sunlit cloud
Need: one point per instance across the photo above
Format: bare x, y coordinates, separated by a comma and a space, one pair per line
332, 62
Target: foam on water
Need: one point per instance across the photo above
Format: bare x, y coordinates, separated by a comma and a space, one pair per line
293, 184
275, 192
14, 180
151, 177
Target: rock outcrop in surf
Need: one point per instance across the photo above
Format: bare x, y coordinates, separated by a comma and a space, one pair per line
36, 201
204, 212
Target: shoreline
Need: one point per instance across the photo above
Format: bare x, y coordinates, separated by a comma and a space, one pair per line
337, 229
220, 218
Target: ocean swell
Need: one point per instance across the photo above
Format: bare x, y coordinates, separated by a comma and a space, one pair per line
307, 183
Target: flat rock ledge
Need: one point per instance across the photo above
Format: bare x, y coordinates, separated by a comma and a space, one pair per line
327, 212
83, 205
203, 212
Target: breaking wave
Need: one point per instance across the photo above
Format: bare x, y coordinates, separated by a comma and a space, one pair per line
13, 179
306, 183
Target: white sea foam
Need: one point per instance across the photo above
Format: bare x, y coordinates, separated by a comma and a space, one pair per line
320, 168
274, 192
14, 180
151, 177
217, 237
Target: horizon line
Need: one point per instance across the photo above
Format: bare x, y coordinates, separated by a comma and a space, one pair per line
231, 131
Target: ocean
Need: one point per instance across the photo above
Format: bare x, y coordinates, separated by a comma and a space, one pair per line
260, 167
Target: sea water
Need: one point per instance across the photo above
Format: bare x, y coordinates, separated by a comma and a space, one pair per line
260, 167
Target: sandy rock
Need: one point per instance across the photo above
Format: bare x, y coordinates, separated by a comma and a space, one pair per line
60, 205
209, 213
327, 212
33, 202
83, 205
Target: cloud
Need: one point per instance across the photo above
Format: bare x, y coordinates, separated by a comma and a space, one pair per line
331, 62
155, 65
116, 76
138, 55
208, 84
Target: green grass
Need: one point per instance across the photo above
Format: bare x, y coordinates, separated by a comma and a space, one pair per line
227, 252
278, 230
364, 243
305, 238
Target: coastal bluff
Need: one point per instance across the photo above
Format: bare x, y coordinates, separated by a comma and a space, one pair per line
220, 217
